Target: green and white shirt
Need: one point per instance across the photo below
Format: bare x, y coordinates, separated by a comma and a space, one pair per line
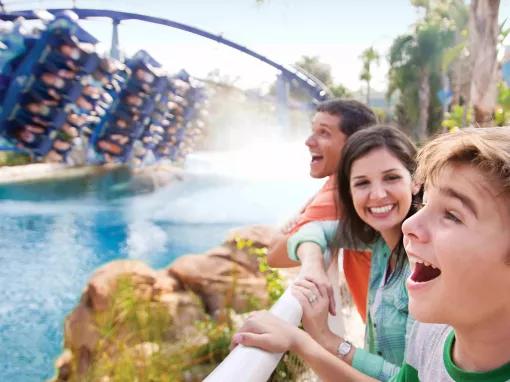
388, 317
428, 359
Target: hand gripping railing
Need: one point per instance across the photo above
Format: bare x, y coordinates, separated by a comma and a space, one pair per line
249, 364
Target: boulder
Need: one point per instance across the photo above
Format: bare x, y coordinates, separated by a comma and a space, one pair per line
103, 281
260, 235
223, 277
81, 331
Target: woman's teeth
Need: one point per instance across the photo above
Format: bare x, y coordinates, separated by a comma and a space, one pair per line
381, 210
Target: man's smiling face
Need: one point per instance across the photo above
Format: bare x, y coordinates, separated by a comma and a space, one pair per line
325, 144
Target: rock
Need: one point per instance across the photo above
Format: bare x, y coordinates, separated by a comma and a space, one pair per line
103, 281
64, 365
260, 234
223, 277
185, 308
81, 333
80, 330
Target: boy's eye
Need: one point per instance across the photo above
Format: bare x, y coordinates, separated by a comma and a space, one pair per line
450, 216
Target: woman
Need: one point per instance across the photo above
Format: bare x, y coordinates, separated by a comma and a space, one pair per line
377, 192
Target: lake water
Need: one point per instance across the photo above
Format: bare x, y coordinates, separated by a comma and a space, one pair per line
51, 244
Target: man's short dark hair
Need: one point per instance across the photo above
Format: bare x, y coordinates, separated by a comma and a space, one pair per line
354, 115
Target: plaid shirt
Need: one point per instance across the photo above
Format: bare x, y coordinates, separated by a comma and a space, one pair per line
388, 318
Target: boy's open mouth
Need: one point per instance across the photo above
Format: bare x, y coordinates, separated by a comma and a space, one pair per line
424, 272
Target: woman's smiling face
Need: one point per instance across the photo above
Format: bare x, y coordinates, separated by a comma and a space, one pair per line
381, 190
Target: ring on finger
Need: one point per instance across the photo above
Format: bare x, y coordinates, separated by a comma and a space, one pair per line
312, 298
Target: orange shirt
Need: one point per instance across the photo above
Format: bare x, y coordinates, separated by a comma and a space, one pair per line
356, 264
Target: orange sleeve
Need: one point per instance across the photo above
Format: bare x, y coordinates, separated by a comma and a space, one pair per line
322, 207
357, 272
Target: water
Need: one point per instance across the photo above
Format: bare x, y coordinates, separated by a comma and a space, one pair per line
50, 247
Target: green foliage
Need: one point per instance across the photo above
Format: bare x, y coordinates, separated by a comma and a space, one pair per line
340, 91
368, 56
318, 69
274, 282
313, 66
437, 40
502, 114
382, 115
285, 371
137, 342
10, 158
454, 119
218, 337
504, 32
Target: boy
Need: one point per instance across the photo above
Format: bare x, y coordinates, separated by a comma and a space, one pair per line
459, 248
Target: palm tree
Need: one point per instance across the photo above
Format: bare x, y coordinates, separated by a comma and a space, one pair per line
368, 56
415, 65
483, 38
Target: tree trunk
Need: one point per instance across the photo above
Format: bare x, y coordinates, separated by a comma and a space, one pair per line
424, 102
483, 37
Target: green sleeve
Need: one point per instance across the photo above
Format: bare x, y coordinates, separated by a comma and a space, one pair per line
320, 232
374, 365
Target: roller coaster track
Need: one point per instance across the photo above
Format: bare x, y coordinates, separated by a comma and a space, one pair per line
315, 88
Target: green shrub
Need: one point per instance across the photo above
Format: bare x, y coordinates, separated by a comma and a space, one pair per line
11, 158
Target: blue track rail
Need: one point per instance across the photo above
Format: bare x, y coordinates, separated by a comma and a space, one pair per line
317, 91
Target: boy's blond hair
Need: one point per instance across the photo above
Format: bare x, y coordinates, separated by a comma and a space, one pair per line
487, 149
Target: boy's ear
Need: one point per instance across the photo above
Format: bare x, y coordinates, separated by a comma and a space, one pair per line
415, 187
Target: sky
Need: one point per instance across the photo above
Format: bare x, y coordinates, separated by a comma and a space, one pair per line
284, 30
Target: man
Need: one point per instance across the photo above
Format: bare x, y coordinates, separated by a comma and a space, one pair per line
334, 121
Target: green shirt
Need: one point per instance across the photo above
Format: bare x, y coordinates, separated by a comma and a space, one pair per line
429, 359
387, 307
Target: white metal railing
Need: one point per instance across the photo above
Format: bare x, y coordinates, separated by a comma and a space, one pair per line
248, 364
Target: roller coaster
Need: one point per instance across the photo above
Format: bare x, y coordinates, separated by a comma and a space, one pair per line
63, 102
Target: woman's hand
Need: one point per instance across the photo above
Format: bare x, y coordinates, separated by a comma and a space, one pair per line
314, 301
267, 332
